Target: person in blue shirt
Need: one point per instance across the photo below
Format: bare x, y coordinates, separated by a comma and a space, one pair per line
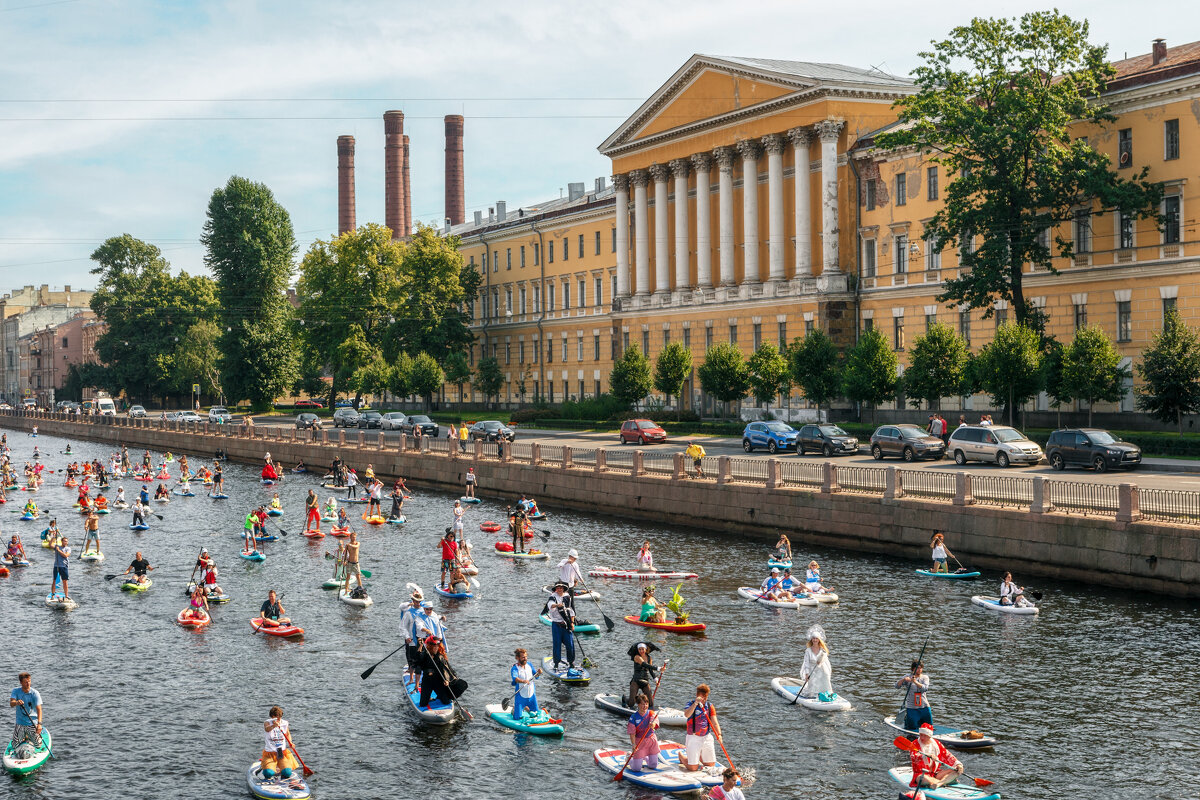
523, 677
28, 703
144, 495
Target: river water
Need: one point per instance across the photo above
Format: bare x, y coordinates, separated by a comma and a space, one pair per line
1095, 698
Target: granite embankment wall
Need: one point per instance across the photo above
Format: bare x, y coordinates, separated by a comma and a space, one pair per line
856, 508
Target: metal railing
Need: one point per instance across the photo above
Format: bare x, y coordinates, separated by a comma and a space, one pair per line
1002, 490
583, 458
871, 480
748, 470
1086, 498
439, 445
619, 459
552, 453
1170, 505
935, 485
801, 473
659, 463
521, 451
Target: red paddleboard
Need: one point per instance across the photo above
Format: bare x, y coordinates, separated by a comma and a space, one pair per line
283, 631
690, 627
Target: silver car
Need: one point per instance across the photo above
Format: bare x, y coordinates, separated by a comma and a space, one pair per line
996, 443
392, 420
220, 415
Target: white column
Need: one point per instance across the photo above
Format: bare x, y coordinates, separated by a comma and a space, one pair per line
680, 168
702, 162
725, 156
801, 138
828, 131
750, 152
621, 184
641, 232
662, 244
776, 235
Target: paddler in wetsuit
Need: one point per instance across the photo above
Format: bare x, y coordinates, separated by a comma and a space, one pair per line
644, 671
516, 528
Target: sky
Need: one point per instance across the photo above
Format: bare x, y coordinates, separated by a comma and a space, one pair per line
123, 116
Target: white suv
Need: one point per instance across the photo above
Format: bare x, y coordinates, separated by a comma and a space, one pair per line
998, 443
220, 415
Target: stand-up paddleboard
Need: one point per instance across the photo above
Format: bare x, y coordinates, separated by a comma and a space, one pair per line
453, 595
670, 717
27, 757
580, 593
471, 500
436, 713
605, 572
192, 622
581, 626
787, 688
282, 631
958, 738
276, 787
667, 777
994, 604
673, 627
960, 575
577, 676
253, 555
361, 602
540, 724
955, 791
57, 600
750, 593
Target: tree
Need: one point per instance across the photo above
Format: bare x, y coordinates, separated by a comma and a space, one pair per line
1170, 371
458, 371
1053, 356
870, 373
1092, 369
630, 379
198, 359
436, 288
427, 378
724, 374
488, 377
813, 360
250, 246
671, 370
399, 377
995, 104
937, 366
1009, 367
769, 373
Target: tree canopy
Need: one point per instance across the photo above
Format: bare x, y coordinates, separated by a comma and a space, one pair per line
671, 370
630, 378
1009, 367
1092, 369
936, 366
870, 373
1170, 372
724, 374
813, 360
769, 373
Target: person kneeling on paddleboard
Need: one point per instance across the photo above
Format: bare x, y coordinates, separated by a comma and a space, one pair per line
523, 676
644, 671
728, 790
932, 765
701, 727
272, 612
458, 581
643, 753
277, 756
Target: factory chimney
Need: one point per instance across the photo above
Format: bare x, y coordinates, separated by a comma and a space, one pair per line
345, 162
456, 210
395, 171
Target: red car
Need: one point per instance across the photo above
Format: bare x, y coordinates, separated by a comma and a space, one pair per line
309, 404
642, 431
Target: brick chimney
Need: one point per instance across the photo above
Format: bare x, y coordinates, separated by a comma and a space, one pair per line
394, 172
1159, 51
456, 210
345, 151
408, 221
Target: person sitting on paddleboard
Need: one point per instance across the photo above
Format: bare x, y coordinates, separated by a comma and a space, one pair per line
523, 676
272, 612
932, 765
812, 579
816, 672
470, 481
645, 559
277, 756
15, 551
197, 605
644, 671
783, 548
702, 726
940, 553
161, 492
458, 581
120, 501
101, 503
449, 553
139, 566
331, 507
91, 533
772, 588
28, 703
643, 742
343, 519
1011, 594
569, 573
51, 533
560, 610
652, 610
916, 706
728, 790
36, 454
31, 507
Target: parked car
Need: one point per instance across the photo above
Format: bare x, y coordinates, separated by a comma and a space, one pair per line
1091, 447
828, 440
343, 404
137, 411
310, 403
642, 431
345, 417
173, 416
998, 443
220, 415
308, 421
392, 420
190, 416
773, 435
370, 419
910, 442
491, 430
428, 427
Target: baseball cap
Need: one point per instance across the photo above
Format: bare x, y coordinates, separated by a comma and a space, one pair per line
572, 554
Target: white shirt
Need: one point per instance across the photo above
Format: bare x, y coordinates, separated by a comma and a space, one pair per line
273, 740
939, 553
408, 623
525, 673
568, 572
470, 477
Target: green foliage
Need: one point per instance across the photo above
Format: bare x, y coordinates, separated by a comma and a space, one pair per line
374, 378
399, 379
1053, 358
630, 377
198, 358
813, 360
145, 309
488, 377
1009, 368
675, 605
936, 366
435, 290
458, 371
870, 372
769, 373
427, 377
994, 106
1170, 371
724, 374
250, 246
602, 407
671, 370
1091, 369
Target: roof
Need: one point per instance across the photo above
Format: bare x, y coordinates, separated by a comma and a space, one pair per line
558, 207
819, 72
1183, 59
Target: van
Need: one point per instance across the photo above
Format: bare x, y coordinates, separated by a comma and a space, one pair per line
105, 407
1000, 443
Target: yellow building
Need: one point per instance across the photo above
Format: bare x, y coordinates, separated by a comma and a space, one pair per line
831, 235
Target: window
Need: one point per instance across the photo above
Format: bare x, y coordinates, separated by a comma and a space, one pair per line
64, 344
1124, 321
808, 326
901, 254
1124, 148
597, 252
581, 300
521, 352
537, 254
614, 289
495, 261
1083, 231
614, 240
566, 249
902, 189
782, 336
624, 341
599, 286
1168, 305
549, 351
564, 350
581, 245
733, 333
550, 254
870, 190
930, 321
595, 346
550, 297
964, 326
1001, 316
1080, 316
566, 297
646, 343
521, 297
757, 335
708, 339
495, 303
508, 306
898, 332
579, 350
687, 338
537, 298
1125, 231
868, 258
868, 324
1170, 139
472, 262
493, 351
931, 183
507, 353
933, 252
596, 388
522, 255
666, 336
508, 258
1171, 219
580, 388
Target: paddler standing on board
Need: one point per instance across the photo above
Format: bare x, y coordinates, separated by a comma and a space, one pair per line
449, 555
940, 553
28, 703
470, 482
569, 573
817, 672
411, 629
644, 671
560, 610
916, 706
932, 764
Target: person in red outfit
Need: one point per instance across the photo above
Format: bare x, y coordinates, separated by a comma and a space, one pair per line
932, 764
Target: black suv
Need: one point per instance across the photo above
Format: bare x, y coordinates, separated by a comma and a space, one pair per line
1091, 447
428, 427
826, 439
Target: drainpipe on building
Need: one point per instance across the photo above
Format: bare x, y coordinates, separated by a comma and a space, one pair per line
857, 259
487, 288
542, 291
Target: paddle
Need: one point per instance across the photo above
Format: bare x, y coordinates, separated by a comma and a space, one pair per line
608, 623
507, 702
366, 573
296, 753
367, 672
908, 691
721, 741
49, 749
586, 662
261, 623
650, 727
806, 680
459, 707
910, 746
